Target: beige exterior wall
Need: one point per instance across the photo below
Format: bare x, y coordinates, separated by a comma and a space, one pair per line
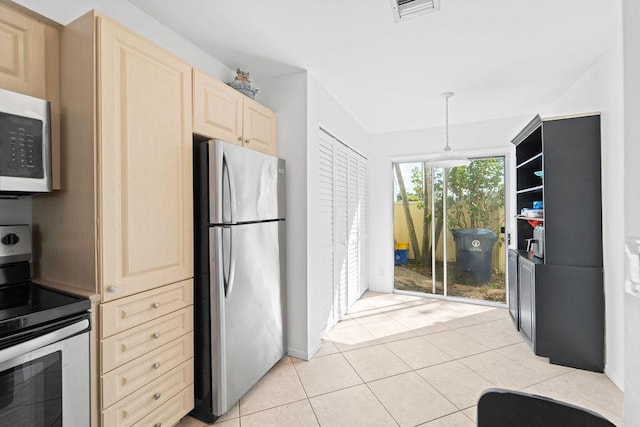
401, 234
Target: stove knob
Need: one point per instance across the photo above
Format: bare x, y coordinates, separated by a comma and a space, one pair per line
10, 239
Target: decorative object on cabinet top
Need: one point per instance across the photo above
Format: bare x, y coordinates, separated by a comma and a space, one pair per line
243, 85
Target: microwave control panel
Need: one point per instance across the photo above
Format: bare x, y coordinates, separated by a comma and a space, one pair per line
21, 153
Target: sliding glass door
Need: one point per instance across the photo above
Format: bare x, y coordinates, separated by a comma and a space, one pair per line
449, 229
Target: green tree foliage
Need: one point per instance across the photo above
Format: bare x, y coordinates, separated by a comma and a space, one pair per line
475, 194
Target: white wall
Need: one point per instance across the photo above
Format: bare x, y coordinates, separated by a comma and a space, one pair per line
631, 34
65, 11
288, 96
326, 112
600, 89
303, 105
479, 138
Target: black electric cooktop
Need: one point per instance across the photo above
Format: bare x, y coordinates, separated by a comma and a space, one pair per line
27, 304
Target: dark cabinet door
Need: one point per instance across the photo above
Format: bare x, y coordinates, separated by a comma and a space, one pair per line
526, 285
513, 288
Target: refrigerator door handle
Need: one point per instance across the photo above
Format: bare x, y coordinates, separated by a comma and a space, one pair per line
230, 277
230, 191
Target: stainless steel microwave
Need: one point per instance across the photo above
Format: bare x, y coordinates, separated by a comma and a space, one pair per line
25, 144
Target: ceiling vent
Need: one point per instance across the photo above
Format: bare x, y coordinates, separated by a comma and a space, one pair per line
407, 9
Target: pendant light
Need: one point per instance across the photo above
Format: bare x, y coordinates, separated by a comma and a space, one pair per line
448, 159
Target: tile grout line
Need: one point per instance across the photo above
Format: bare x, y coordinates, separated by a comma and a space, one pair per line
306, 394
371, 391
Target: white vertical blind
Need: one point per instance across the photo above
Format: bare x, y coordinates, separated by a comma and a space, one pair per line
363, 228
342, 180
353, 230
326, 243
341, 230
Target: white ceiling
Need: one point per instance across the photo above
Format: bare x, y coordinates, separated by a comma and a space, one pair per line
501, 57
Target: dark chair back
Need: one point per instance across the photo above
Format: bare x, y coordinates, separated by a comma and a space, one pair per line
506, 408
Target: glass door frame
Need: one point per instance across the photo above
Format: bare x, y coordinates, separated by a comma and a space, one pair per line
509, 221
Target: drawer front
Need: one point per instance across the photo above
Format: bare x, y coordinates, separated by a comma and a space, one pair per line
123, 314
126, 346
149, 398
171, 412
128, 378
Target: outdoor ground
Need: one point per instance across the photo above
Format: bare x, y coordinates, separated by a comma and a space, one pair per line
410, 278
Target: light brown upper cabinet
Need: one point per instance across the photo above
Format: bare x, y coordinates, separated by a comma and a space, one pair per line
22, 64
30, 64
124, 223
222, 112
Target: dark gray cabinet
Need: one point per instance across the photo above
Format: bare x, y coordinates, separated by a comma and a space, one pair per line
559, 299
527, 289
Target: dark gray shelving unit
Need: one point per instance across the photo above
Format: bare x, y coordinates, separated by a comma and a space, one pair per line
557, 302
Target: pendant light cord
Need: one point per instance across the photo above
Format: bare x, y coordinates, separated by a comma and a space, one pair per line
446, 128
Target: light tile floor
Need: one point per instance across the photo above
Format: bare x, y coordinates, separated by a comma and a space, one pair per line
398, 360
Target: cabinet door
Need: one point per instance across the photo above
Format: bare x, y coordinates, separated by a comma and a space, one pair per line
217, 109
259, 127
22, 56
145, 164
513, 288
527, 286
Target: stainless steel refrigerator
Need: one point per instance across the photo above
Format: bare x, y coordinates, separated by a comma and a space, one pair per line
239, 305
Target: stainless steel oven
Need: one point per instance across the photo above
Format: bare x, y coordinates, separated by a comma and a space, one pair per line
44, 344
44, 377
25, 144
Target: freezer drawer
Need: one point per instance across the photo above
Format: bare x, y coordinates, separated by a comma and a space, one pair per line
247, 307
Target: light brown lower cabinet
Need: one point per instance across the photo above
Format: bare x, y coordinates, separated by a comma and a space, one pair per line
145, 400
170, 413
123, 381
147, 365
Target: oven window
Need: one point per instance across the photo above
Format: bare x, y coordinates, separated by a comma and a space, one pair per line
31, 393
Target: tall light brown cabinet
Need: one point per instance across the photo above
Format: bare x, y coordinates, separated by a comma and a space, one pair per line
123, 225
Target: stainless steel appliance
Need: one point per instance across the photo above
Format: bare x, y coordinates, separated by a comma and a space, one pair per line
44, 344
239, 272
25, 144
538, 238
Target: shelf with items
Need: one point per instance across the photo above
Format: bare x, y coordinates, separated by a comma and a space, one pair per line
529, 175
533, 222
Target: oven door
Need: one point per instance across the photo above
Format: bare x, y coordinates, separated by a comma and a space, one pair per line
44, 381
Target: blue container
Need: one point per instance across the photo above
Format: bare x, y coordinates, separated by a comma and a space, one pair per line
401, 256
539, 204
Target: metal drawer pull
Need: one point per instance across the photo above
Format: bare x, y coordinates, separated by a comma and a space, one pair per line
156, 305
240, 138
156, 335
112, 289
157, 425
247, 140
156, 365
157, 396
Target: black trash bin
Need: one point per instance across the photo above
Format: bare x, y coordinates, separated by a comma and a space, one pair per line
474, 250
